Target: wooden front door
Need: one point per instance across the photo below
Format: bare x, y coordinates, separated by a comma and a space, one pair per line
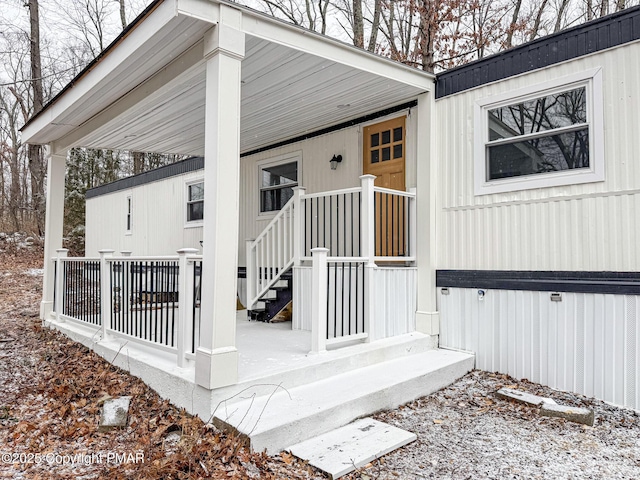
384, 156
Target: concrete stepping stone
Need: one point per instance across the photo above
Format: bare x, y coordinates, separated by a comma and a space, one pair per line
347, 448
114, 413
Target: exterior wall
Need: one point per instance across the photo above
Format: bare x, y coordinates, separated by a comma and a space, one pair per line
316, 173
592, 226
158, 219
586, 343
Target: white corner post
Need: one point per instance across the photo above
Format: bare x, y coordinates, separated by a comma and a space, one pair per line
368, 249
59, 279
105, 290
217, 356
427, 316
251, 274
298, 225
54, 220
319, 300
186, 288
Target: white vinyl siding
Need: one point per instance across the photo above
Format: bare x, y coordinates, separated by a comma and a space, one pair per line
586, 343
588, 226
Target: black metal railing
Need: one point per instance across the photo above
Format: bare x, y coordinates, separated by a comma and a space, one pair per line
195, 314
333, 221
81, 290
345, 299
392, 225
144, 299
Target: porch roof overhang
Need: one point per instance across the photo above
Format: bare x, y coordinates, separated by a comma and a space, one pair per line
147, 91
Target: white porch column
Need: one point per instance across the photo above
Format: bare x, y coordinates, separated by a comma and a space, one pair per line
368, 249
217, 357
319, 300
427, 316
54, 220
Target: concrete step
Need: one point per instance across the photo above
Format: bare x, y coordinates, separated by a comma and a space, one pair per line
311, 368
285, 417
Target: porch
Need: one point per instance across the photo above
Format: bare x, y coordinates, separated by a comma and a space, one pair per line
211, 78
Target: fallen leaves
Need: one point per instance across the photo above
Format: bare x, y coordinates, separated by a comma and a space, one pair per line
51, 394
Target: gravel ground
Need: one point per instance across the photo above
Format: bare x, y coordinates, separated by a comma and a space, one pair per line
466, 432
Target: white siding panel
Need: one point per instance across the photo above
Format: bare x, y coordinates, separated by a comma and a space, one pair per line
587, 343
591, 226
301, 298
158, 219
394, 303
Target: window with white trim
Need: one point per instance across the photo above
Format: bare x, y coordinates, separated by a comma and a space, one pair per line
129, 211
547, 135
195, 202
277, 180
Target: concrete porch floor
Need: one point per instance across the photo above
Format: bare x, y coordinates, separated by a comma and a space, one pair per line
265, 349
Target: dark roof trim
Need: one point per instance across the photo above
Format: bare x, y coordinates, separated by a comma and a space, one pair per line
150, 8
600, 34
618, 283
185, 166
333, 128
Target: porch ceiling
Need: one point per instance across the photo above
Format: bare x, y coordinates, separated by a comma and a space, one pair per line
153, 98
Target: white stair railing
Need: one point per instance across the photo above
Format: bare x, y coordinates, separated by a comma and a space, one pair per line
273, 252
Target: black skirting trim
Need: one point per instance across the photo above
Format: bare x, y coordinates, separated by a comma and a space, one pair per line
619, 283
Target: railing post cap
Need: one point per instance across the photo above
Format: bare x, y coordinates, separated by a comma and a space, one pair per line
106, 251
187, 251
319, 250
62, 250
298, 188
367, 176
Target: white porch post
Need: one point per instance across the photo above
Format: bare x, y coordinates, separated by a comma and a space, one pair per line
54, 220
105, 290
299, 225
59, 282
185, 303
427, 316
319, 300
217, 357
368, 242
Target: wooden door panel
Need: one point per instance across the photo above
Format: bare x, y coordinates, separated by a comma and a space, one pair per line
384, 151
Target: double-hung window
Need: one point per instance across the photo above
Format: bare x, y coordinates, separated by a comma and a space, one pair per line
195, 202
548, 135
277, 180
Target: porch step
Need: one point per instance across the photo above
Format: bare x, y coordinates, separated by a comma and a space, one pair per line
274, 299
278, 420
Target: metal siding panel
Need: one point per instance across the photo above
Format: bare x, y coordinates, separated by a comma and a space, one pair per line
579, 227
587, 343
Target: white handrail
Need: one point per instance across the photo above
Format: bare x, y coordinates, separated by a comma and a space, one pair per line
271, 254
391, 191
332, 192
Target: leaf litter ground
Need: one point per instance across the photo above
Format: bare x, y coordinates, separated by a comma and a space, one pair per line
51, 391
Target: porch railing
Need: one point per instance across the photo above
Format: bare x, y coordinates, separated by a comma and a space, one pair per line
272, 253
77, 288
154, 301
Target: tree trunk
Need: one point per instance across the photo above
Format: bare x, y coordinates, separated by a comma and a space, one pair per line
36, 163
375, 26
123, 17
512, 26
358, 24
138, 162
536, 24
